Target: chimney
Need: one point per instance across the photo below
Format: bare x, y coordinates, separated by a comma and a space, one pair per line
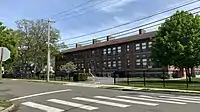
110, 38
94, 41
142, 31
78, 45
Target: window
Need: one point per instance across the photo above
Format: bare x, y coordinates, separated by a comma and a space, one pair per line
119, 57
144, 56
128, 64
97, 64
137, 46
109, 50
114, 64
138, 62
82, 65
119, 64
109, 64
104, 51
144, 45
92, 52
119, 49
105, 64
150, 64
137, 56
144, 62
127, 48
114, 50
150, 44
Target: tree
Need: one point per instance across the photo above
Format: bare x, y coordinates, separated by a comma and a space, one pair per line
8, 38
33, 44
70, 66
177, 42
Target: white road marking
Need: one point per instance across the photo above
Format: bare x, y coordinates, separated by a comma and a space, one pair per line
127, 101
172, 99
178, 97
188, 101
42, 107
82, 106
39, 94
101, 102
144, 96
154, 100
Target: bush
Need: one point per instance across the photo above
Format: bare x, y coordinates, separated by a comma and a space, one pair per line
80, 76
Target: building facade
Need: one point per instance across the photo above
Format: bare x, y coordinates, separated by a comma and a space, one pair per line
129, 54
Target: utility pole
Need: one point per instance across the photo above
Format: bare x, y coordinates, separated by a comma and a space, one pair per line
49, 51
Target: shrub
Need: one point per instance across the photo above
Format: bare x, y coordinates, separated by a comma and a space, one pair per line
80, 76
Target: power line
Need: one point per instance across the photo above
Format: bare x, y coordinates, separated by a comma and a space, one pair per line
75, 11
68, 10
91, 10
143, 26
134, 20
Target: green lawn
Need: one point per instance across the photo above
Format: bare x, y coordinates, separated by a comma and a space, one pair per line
5, 104
158, 83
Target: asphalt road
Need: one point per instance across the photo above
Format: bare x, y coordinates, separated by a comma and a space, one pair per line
41, 97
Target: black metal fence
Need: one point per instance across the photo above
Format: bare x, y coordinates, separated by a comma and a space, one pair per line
60, 76
155, 79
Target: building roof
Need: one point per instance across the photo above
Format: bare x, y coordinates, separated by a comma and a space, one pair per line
112, 42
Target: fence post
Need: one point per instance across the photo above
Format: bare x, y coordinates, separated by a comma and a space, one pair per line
61, 78
127, 78
114, 78
38, 76
69, 77
55, 77
187, 72
164, 78
43, 76
144, 75
187, 81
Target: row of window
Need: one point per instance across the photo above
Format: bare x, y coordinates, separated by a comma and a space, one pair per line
140, 63
116, 50
144, 46
119, 49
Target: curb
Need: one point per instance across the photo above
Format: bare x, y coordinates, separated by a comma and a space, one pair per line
153, 90
9, 109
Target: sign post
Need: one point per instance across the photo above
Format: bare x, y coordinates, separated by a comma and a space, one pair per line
4, 55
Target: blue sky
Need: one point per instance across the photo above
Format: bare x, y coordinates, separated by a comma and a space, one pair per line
95, 18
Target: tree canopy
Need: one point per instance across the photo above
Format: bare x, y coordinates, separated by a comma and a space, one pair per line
70, 66
177, 41
8, 38
33, 44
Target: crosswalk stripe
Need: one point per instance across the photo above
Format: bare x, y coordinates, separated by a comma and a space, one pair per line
188, 101
101, 102
185, 98
172, 99
82, 106
42, 107
127, 101
154, 100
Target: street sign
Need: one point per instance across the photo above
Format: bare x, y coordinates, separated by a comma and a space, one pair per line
4, 54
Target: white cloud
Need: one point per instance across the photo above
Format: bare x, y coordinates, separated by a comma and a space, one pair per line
116, 5
120, 20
